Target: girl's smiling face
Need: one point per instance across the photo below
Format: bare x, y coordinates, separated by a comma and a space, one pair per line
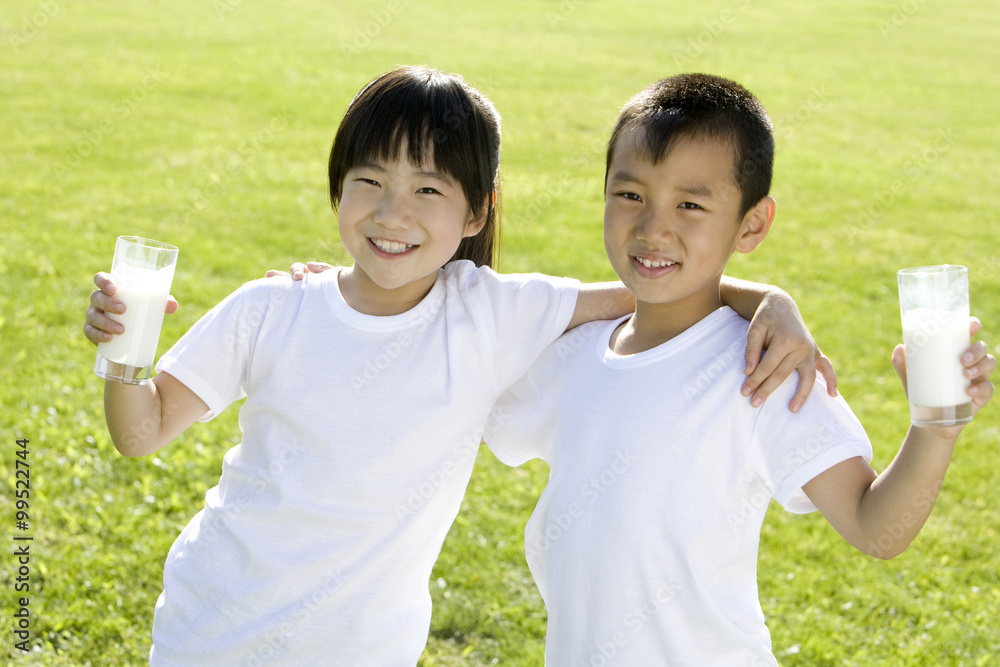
401, 222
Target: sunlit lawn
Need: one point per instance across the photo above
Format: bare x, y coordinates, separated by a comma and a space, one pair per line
207, 125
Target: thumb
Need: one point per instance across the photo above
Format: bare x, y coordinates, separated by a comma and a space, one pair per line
899, 363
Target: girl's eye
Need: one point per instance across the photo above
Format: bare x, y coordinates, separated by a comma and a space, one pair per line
369, 181
690, 206
428, 191
630, 195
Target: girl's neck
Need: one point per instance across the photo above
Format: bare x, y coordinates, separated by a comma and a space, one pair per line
364, 296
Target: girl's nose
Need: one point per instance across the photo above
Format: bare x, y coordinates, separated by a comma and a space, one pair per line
393, 212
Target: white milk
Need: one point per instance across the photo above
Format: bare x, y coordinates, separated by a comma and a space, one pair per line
144, 292
934, 340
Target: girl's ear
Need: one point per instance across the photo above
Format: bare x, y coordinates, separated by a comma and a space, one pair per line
756, 224
478, 221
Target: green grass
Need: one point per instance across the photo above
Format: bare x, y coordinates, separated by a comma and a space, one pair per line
207, 125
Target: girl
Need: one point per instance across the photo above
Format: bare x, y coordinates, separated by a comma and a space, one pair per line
318, 542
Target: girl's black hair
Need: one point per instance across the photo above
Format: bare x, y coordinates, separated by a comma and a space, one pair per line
438, 113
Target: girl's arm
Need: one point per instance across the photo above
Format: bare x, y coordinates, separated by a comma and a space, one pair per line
775, 326
881, 514
144, 418
141, 418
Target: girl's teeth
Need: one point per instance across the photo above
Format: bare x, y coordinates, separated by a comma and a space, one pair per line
649, 264
391, 247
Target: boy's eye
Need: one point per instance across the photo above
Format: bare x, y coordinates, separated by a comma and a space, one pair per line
630, 195
429, 191
369, 181
690, 206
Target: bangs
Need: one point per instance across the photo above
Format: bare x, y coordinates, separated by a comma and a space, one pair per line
657, 131
441, 128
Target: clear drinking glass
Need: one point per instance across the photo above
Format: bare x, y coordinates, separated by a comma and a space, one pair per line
934, 304
142, 271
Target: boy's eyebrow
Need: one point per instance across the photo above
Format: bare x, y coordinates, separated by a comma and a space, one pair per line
697, 189
623, 175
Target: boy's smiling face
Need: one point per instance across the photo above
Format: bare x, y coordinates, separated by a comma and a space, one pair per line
670, 227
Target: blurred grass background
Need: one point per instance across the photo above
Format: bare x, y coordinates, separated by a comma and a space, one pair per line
208, 124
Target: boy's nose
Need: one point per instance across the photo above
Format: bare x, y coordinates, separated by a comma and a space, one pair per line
655, 227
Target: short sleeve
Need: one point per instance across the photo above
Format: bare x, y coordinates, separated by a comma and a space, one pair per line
793, 448
519, 315
519, 428
212, 358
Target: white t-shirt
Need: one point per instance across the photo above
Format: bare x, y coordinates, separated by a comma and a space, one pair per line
644, 543
359, 434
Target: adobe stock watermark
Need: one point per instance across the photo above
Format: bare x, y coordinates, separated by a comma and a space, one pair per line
35, 23
731, 357
900, 16
369, 31
913, 169
753, 507
463, 453
565, 10
83, 146
712, 29
786, 126
241, 156
216, 524
634, 622
559, 522
273, 644
391, 351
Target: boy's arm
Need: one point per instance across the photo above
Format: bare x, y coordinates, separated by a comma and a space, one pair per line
144, 418
881, 514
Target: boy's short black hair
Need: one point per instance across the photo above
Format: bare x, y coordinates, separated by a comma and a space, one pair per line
703, 106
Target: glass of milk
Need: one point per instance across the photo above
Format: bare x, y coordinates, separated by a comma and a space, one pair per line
934, 302
142, 271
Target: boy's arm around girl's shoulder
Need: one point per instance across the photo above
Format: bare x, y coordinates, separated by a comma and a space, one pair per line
881, 514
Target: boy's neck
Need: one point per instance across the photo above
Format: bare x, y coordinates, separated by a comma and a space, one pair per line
653, 324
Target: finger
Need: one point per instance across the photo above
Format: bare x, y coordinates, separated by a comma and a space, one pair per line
99, 328
981, 392
104, 283
807, 380
761, 370
318, 267
100, 300
774, 380
171, 305
899, 363
753, 354
983, 367
974, 326
273, 273
974, 353
298, 271
825, 368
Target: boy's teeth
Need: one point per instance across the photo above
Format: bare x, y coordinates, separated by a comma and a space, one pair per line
391, 246
649, 264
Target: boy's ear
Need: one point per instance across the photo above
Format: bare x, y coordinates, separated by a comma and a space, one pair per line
756, 224
478, 221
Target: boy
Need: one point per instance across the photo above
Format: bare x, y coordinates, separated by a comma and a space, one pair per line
644, 543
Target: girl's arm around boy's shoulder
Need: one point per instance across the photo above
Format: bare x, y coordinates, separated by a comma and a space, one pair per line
882, 514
